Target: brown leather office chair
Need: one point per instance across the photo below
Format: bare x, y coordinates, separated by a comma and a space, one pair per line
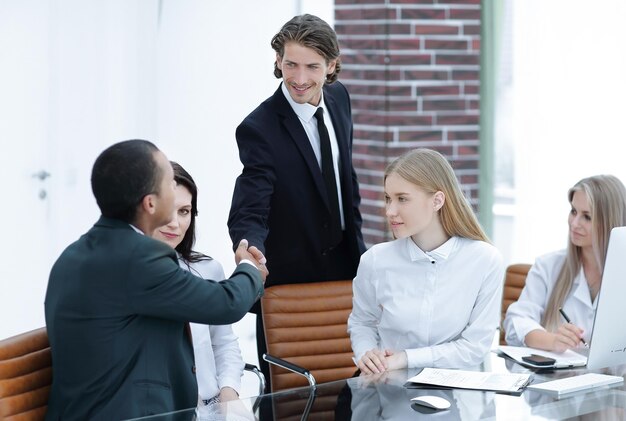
514, 281
25, 376
306, 325
318, 405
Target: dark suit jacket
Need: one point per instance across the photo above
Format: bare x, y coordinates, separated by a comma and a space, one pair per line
116, 309
280, 203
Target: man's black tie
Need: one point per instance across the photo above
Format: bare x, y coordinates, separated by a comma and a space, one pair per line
328, 172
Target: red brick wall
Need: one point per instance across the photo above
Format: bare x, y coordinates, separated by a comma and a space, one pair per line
412, 69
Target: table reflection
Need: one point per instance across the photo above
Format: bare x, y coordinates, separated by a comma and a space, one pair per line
384, 397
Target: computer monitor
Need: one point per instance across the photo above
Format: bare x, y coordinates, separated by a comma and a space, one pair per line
608, 339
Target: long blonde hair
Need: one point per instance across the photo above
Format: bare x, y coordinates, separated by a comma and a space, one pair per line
607, 201
429, 170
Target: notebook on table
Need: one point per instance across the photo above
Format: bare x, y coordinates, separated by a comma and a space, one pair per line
567, 359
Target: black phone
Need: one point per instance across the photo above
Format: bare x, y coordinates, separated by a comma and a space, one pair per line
538, 360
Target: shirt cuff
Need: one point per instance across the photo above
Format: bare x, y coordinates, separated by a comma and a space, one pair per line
249, 262
419, 357
230, 382
359, 348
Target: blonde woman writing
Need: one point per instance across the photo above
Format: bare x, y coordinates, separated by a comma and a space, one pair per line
430, 298
569, 279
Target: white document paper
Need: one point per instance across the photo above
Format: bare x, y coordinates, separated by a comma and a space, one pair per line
566, 359
461, 379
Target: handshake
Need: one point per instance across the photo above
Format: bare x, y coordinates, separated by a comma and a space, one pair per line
252, 254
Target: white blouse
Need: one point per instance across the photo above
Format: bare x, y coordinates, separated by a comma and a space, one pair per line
441, 307
216, 348
524, 315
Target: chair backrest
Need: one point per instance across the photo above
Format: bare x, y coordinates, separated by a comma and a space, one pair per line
306, 324
25, 376
514, 282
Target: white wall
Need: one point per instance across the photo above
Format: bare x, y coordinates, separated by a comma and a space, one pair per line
78, 76
24, 135
567, 114
208, 81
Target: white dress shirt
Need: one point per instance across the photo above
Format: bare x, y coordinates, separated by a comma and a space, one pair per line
524, 315
306, 115
441, 307
216, 348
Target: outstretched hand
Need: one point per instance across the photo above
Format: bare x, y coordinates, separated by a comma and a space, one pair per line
254, 255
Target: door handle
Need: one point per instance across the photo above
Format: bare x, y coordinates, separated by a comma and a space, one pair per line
41, 175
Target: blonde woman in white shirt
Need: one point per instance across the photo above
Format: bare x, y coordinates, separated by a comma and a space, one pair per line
569, 279
430, 298
219, 365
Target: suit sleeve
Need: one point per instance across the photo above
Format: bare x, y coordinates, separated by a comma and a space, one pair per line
358, 220
157, 286
250, 206
356, 195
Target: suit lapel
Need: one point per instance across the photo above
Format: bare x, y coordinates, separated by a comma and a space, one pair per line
299, 137
340, 131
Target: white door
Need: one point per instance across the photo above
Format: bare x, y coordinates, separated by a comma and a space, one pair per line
26, 170
75, 77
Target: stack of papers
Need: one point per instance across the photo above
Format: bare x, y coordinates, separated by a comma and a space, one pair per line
475, 380
567, 359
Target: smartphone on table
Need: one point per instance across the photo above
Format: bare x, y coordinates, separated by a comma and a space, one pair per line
539, 360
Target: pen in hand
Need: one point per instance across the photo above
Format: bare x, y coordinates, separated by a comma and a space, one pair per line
567, 319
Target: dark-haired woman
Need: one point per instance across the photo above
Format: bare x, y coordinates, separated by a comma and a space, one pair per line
219, 365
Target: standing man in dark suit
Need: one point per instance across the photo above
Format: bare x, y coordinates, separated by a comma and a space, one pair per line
297, 198
118, 303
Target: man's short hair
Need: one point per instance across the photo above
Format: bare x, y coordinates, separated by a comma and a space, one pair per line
312, 32
123, 175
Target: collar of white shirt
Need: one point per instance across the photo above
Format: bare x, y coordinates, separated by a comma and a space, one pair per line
580, 290
304, 111
136, 229
440, 253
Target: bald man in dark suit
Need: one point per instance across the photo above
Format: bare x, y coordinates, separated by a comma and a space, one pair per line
118, 304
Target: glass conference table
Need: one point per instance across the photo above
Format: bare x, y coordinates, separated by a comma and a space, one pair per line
384, 397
